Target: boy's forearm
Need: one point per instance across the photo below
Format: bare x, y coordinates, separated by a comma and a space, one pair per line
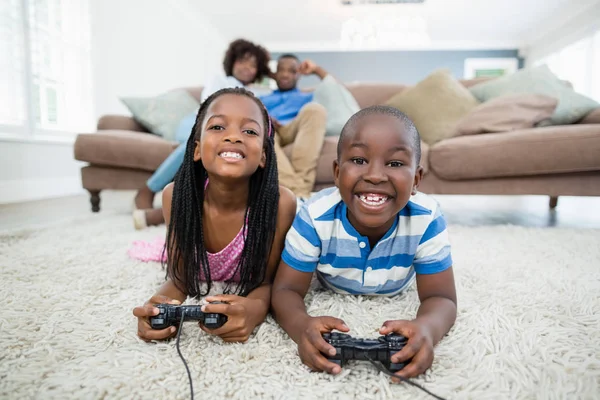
289, 311
169, 289
438, 315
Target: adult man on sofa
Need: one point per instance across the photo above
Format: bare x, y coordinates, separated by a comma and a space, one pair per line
296, 120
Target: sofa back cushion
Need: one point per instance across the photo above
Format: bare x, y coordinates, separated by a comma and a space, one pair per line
572, 106
195, 91
371, 94
506, 113
435, 105
161, 114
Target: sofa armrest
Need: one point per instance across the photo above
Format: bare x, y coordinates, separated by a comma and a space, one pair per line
119, 122
593, 117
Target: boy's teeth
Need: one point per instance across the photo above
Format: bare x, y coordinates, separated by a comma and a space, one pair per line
373, 199
231, 154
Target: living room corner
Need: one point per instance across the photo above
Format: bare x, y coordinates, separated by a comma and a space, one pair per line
185, 210
123, 54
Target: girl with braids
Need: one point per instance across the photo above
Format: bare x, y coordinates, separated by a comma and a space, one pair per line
227, 217
244, 64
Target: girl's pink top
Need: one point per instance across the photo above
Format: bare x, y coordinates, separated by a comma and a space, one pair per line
222, 264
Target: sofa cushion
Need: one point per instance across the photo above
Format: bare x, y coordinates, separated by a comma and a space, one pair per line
372, 94
425, 157
339, 103
593, 117
536, 151
572, 106
196, 92
161, 114
435, 105
119, 122
506, 113
325, 162
113, 148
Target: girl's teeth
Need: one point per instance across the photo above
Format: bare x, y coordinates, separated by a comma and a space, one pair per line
229, 154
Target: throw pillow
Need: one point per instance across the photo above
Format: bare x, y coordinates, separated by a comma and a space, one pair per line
339, 103
161, 114
435, 105
592, 117
572, 106
507, 113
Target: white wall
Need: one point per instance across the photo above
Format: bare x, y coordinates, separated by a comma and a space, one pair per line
146, 47
31, 170
139, 48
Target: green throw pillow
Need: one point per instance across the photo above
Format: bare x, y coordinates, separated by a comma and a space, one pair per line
572, 106
162, 114
339, 103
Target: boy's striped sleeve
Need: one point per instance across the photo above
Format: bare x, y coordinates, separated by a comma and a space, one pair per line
433, 252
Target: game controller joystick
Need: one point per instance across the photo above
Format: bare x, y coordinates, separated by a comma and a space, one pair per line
380, 349
170, 315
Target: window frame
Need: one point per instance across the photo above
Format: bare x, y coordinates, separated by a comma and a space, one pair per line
30, 130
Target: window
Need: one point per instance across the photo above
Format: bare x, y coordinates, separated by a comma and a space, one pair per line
45, 67
579, 64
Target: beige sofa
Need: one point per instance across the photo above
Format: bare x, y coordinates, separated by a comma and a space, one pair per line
553, 161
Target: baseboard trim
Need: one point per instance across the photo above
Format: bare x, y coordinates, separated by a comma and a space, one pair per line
15, 191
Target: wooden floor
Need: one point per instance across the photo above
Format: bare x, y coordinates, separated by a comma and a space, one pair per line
575, 212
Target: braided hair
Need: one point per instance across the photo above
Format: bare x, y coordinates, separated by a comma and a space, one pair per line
185, 234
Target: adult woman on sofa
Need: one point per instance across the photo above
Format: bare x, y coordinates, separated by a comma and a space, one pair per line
244, 64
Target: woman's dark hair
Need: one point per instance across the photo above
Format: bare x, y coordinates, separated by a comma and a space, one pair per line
185, 235
240, 48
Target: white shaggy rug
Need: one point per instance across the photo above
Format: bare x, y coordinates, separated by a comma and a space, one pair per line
528, 324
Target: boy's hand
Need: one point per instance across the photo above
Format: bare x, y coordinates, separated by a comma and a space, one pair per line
243, 315
311, 343
419, 346
145, 331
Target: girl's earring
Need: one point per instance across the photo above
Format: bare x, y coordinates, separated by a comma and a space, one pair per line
414, 190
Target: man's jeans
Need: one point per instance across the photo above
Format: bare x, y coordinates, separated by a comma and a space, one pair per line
166, 172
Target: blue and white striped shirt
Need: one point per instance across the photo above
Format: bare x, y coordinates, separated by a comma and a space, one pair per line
323, 239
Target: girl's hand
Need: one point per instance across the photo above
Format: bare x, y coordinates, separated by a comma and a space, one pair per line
419, 346
243, 315
145, 331
311, 343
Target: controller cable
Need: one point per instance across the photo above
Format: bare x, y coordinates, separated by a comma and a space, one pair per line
183, 359
382, 369
376, 364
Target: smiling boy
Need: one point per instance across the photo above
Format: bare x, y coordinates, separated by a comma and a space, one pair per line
373, 234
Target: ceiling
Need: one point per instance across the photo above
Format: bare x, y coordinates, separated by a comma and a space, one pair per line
297, 25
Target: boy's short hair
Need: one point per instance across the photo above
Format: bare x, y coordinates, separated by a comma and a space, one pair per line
238, 49
415, 138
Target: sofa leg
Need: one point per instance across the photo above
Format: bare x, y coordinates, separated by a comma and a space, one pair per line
95, 200
553, 202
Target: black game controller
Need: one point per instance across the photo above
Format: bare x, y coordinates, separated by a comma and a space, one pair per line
170, 315
380, 349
